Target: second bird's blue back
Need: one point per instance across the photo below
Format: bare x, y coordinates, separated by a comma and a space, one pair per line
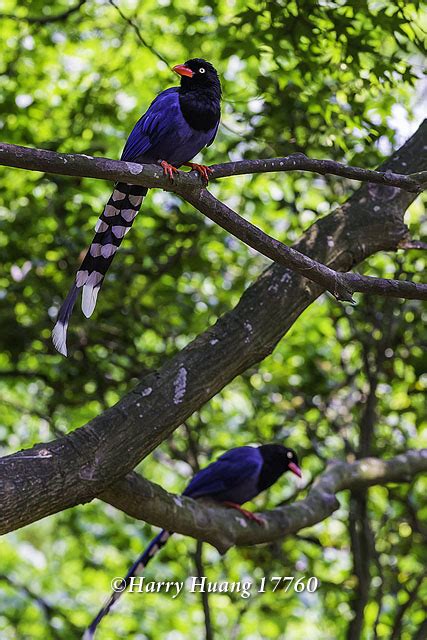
233, 477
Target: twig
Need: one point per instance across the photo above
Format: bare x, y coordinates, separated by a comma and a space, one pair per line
47, 609
412, 596
135, 27
198, 557
412, 244
416, 182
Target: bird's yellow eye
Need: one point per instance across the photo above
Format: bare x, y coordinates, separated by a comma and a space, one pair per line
202, 70
289, 454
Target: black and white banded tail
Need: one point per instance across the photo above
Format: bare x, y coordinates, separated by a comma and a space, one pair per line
136, 569
113, 224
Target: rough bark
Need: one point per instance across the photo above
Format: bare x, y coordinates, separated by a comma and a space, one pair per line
80, 466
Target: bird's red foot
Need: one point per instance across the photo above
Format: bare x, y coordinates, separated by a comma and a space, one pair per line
202, 169
248, 514
168, 169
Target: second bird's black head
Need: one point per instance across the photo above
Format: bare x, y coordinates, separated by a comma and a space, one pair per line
276, 460
199, 75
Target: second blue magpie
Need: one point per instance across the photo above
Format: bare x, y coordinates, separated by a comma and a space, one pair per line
235, 478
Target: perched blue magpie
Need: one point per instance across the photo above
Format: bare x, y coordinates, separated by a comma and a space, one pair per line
179, 123
236, 477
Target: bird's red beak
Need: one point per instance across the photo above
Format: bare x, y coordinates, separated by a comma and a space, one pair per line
295, 469
182, 70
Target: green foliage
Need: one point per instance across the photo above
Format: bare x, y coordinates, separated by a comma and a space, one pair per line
333, 79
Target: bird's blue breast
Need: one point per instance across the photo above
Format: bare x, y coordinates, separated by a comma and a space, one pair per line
164, 134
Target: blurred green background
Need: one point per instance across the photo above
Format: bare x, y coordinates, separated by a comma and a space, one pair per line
339, 80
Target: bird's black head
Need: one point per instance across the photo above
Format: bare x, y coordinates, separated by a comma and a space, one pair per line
277, 459
198, 74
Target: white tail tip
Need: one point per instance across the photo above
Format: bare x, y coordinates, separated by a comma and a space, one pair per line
59, 338
88, 635
89, 297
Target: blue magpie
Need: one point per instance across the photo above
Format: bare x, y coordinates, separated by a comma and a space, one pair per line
236, 477
179, 123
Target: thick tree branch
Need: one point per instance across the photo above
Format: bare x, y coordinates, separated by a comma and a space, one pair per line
188, 186
152, 176
223, 528
80, 466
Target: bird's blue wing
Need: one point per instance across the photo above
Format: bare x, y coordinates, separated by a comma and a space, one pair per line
152, 126
232, 468
213, 135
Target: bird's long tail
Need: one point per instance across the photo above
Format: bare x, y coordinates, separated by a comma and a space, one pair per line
136, 569
113, 224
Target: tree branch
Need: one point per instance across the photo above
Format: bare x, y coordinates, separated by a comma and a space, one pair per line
412, 596
341, 285
416, 182
49, 611
152, 176
189, 187
74, 469
223, 528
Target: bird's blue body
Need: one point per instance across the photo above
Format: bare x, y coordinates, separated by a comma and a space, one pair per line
164, 134
236, 477
232, 478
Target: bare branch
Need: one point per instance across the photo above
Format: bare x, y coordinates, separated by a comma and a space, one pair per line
47, 609
341, 285
82, 465
188, 186
412, 596
71, 164
413, 244
198, 559
223, 528
416, 182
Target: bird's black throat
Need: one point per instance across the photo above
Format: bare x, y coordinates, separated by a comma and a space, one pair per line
201, 107
275, 463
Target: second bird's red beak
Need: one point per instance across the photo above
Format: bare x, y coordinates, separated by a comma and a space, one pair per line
182, 70
295, 469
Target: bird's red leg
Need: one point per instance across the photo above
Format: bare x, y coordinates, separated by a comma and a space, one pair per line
248, 514
168, 169
202, 169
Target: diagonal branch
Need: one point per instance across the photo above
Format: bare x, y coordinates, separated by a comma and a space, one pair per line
189, 187
223, 528
341, 285
78, 467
